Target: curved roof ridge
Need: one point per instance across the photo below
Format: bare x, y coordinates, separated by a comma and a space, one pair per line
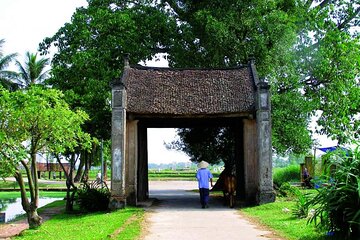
141, 67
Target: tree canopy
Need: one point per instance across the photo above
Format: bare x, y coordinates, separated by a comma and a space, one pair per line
32, 121
33, 70
307, 50
6, 76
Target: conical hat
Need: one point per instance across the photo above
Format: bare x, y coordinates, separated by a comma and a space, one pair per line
203, 164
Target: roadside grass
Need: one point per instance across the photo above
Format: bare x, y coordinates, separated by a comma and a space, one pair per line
10, 195
120, 224
282, 222
15, 185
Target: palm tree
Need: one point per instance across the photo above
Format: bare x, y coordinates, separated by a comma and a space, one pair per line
6, 76
33, 71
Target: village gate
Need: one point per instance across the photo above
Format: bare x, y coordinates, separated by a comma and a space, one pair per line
147, 97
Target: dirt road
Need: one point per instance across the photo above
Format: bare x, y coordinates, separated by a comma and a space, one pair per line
179, 216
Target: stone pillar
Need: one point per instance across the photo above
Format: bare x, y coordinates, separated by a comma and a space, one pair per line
118, 135
131, 162
263, 119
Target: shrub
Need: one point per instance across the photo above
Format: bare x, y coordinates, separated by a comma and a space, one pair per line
92, 197
287, 174
337, 206
301, 209
286, 190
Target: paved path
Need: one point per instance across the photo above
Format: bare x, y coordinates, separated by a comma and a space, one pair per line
9, 230
179, 216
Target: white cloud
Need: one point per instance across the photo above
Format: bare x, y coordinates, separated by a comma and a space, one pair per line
24, 24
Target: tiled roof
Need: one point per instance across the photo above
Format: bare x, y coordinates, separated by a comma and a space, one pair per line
189, 91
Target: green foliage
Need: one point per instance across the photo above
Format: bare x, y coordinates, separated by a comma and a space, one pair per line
289, 120
287, 174
211, 144
41, 116
286, 190
91, 48
301, 208
299, 197
92, 197
32, 71
6, 76
307, 50
337, 206
32, 120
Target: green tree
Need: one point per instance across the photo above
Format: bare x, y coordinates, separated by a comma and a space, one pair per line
211, 144
307, 50
91, 49
33, 70
31, 121
6, 76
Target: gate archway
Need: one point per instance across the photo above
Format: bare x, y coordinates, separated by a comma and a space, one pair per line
147, 97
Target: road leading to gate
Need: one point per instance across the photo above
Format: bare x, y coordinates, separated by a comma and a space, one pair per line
179, 216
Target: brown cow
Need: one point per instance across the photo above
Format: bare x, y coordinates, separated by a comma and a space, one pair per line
229, 190
227, 184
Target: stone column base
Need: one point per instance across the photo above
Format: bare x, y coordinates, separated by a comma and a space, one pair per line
117, 202
265, 197
131, 199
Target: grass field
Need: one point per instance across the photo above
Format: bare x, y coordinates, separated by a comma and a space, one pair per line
10, 195
122, 224
15, 185
278, 217
185, 175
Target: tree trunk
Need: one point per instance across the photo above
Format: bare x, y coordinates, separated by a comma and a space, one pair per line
34, 181
105, 171
34, 220
80, 169
85, 176
69, 183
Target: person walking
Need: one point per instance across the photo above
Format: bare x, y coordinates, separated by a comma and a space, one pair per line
203, 176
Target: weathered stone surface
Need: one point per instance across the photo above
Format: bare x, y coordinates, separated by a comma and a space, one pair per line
118, 138
265, 197
116, 203
265, 192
